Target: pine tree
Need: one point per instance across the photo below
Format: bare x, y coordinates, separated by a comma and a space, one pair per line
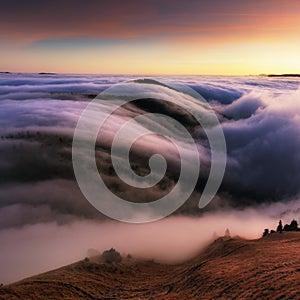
279, 227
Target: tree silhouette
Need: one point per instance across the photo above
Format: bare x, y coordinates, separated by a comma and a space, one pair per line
279, 227
266, 232
227, 233
292, 227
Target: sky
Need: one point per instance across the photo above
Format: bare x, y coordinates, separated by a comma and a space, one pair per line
229, 37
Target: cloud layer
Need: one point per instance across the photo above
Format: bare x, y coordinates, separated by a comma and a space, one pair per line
38, 193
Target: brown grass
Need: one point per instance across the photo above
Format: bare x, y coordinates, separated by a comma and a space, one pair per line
267, 268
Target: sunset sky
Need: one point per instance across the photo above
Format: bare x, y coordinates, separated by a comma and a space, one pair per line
150, 37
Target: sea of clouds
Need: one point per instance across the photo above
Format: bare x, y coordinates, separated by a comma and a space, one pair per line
45, 221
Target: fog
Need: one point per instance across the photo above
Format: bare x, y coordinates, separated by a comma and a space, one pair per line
46, 222
37, 248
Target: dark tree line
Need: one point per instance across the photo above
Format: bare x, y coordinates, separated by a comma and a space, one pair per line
293, 226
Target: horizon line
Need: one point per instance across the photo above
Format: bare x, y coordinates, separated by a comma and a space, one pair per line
137, 74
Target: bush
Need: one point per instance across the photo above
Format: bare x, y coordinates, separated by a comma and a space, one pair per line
92, 252
292, 227
266, 232
111, 256
227, 233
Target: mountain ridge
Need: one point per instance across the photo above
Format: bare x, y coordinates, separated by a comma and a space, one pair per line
229, 268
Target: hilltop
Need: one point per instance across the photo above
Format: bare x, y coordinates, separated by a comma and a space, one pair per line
229, 268
284, 75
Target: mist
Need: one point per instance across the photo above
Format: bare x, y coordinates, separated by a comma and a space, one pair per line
33, 249
46, 222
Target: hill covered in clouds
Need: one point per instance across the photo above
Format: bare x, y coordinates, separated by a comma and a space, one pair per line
39, 112
259, 116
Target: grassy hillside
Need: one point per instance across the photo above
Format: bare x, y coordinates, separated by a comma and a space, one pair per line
267, 268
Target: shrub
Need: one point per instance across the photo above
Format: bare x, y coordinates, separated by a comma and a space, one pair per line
227, 233
292, 227
92, 252
111, 256
266, 232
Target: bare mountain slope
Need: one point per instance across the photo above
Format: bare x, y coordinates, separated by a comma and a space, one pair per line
267, 268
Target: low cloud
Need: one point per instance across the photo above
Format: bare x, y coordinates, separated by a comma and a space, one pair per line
37, 248
263, 148
46, 222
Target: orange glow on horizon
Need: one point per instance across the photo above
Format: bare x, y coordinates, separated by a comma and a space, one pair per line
240, 38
